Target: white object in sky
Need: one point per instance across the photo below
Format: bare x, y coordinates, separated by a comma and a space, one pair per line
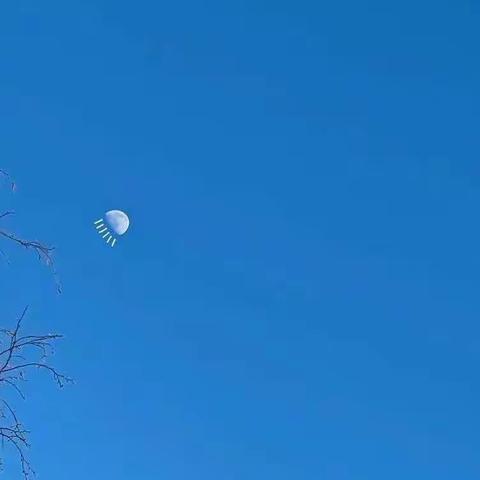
116, 221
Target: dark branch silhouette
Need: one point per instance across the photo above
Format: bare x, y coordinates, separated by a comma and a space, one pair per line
43, 251
20, 353
7, 176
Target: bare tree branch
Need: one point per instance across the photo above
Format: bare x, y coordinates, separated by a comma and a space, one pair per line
20, 354
7, 176
43, 251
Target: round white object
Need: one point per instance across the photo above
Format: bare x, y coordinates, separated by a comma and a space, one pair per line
118, 221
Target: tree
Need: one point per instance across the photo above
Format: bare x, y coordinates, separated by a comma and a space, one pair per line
20, 353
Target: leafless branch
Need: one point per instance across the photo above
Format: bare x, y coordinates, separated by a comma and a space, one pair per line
43, 251
7, 176
20, 354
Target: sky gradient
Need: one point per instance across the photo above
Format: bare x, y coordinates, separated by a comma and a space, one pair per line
297, 296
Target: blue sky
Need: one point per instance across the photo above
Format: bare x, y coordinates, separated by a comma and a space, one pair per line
297, 297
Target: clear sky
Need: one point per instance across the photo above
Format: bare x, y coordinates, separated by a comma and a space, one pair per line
298, 295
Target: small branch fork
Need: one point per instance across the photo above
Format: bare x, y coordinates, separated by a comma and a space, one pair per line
10, 180
43, 252
20, 353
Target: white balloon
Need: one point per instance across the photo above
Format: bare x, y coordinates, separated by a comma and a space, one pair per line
118, 221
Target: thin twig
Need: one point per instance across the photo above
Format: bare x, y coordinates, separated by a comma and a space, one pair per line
44, 252
20, 354
5, 174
